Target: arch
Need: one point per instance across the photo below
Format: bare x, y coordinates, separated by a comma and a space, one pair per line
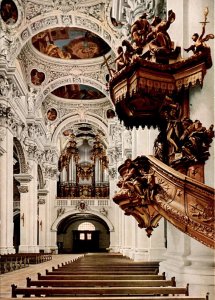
74, 118
71, 79
77, 212
86, 226
21, 155
55, 19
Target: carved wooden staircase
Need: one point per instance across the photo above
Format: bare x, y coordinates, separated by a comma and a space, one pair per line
154, 190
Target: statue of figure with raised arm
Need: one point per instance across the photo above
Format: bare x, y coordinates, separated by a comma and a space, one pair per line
199, 40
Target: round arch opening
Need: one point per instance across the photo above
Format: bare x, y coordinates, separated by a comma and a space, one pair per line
83, 233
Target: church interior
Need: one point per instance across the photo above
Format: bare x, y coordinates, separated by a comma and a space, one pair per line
106, 145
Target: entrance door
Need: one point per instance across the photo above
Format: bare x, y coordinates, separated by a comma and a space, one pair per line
85, 241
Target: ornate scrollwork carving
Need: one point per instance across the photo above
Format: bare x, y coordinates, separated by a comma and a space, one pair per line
60, 211
149, 190
183, 144
23, 189
140, 84
82, 206
41, 201
113, 173
4, 86
50, 171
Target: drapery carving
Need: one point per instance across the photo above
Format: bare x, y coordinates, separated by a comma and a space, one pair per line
149, 189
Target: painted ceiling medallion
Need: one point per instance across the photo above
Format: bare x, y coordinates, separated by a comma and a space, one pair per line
52, 114
37, 77
9, 12
76, 91
70, 43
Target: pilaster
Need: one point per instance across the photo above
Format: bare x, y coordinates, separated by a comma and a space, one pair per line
42, 205
50, 237
6, 190
28, 210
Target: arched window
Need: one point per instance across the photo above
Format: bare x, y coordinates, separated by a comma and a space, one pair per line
86, 226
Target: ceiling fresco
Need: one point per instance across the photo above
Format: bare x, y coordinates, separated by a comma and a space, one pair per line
70, 43
78, 91
9, 12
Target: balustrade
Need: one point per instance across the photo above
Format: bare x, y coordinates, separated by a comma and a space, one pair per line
75, 202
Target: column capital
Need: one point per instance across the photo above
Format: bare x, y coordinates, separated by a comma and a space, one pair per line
23, 178
42, 193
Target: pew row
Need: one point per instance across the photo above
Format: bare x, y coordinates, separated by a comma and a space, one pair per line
126, 298
97, 271
98, 291
53, 276
16, 261
102, 283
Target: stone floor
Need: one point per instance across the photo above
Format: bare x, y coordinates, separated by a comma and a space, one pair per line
18, 277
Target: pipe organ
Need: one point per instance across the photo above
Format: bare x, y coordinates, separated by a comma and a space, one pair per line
83, 170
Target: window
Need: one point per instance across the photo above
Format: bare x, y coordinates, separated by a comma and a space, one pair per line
86, 226
89, 236
82, 236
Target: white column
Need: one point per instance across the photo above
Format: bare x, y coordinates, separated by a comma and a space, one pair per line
6, 191
51, 214
157, 243
142, 245
122, 231
28, 210
134, 143
113, 216
200, 272
178, 248
133, 238
144, 140
42, 202
127, 236
24, 180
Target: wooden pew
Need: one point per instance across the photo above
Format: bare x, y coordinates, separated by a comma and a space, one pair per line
103, 283
12, 262
126, 298
112, 268
53, 276
119, 272
94, 291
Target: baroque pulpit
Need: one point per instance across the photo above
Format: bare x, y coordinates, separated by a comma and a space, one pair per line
150, 87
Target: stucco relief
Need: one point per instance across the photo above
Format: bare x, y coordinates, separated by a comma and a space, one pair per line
75, 110
87, 15
34, 9
4, 86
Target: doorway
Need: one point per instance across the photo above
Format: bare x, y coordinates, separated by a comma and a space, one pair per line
85, 241
79, 233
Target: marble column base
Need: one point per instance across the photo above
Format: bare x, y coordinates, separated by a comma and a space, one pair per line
201, 279
141, 255
126, 251
7, 250
28, 249
156, 254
